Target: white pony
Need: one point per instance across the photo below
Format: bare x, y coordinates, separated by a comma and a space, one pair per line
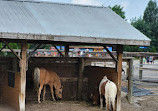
108, 90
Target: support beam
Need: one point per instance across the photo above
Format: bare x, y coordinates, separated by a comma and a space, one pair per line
31, 53
80, 78
67, 51
110, 54
119, 75
23, 76
3, 47
61, 55
6, 43
130, 81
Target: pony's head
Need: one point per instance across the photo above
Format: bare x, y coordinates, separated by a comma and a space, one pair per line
58, 92
95, 97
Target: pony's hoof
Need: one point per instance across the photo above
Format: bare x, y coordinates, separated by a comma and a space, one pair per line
39, 101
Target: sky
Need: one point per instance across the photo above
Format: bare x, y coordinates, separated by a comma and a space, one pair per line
132, 8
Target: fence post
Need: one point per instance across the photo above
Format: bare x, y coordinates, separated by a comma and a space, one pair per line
130, 81
128, 69
140, 71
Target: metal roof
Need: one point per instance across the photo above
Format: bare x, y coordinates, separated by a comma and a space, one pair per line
67, 23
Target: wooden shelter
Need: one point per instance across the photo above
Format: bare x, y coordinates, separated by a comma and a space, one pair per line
64, 24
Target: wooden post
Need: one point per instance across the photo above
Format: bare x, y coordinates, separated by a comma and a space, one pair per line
80, 78
23, 76
140, 71
119, 75
130, 81
67, 51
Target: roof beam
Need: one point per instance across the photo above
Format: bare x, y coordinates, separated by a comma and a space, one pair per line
71, 39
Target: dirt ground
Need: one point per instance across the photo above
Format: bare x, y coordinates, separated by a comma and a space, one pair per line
144, 103
148, 103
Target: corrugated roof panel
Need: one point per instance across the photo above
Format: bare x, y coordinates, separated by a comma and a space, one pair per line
65, 20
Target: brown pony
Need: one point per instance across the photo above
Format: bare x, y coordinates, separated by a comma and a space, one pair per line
43, 77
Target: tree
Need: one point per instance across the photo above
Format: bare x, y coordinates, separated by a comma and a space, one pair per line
151, 19
151, 13
118, 10
143, 27
148, 25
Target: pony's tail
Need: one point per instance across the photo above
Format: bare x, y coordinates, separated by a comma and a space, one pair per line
36, 78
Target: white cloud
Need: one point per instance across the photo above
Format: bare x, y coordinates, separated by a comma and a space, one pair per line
87, 2
124, 4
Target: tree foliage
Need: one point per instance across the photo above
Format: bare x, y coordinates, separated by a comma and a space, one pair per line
118, 10
151, 13
148, 25
141, 25
151, 19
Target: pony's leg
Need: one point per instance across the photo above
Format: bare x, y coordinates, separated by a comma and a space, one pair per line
39, 92
44, 92
113, 105
101, 101
52, 92
107, 104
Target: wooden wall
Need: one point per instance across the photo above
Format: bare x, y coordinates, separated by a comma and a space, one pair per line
5, 63
66, 68
95, 75
11, 94
68, 71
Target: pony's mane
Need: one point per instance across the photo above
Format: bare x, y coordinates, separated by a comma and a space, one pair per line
58, 79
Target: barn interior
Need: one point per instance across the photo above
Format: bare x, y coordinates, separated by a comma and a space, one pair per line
26, 22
